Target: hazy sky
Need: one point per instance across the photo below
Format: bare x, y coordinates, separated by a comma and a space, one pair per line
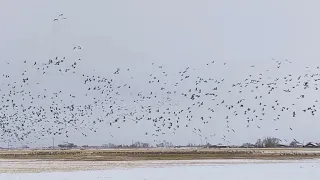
175, 34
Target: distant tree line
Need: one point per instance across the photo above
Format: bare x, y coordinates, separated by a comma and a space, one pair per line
267, 142
137, 144
271, 142
67, 146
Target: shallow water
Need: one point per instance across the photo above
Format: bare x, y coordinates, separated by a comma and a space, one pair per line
204, 170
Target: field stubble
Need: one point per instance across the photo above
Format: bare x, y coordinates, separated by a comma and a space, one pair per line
161, 154
31, 161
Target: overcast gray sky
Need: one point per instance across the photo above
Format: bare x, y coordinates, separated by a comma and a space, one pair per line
175, 34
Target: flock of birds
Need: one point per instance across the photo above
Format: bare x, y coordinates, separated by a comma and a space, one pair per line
189, 102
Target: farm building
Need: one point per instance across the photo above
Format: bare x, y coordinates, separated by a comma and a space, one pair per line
312, 145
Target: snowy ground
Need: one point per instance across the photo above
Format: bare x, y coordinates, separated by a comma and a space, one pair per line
186, 170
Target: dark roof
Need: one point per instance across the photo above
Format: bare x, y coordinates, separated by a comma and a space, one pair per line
312, 144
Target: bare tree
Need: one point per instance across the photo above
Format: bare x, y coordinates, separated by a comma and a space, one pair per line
271, 142
295, 143
259, 143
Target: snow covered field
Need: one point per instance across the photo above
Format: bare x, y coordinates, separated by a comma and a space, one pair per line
187, 170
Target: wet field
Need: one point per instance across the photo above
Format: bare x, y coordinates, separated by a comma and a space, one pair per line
151, 170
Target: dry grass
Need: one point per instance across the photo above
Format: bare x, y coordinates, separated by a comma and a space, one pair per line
160, 154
